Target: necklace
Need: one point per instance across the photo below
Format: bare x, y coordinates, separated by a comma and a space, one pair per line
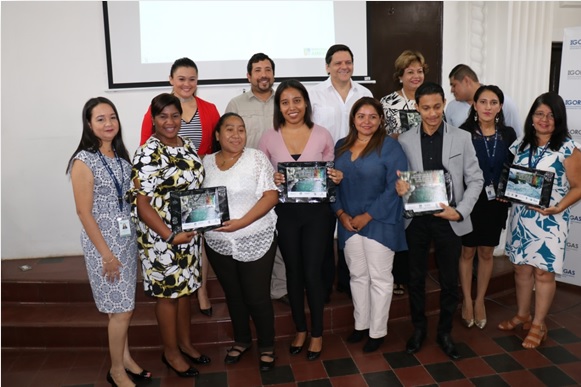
228, 159
182, 100
358, 139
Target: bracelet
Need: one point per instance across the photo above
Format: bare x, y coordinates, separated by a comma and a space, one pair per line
106, 262
343, 213
171, 237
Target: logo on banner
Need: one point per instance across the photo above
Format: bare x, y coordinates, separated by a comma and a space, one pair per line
573, 103
575, 44
572, 246
575, 218
568, 273
574, 74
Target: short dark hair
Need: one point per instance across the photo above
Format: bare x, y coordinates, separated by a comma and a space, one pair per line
278, 119
561, 132
460, 71
258, 57
335, 48
428, 88
182, 62
161, 101
471, 124
215, 144
89, 141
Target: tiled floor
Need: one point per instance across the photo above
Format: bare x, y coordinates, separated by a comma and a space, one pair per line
490, 358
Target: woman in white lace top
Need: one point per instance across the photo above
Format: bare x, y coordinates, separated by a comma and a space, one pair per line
242, 250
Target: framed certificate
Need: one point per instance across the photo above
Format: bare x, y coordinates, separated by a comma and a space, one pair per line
409, 119
199, 209
427, 191
526, 185
306, 182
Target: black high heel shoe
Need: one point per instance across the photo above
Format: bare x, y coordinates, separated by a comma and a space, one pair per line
266, 366
110, 379
207, 312
202, 359
143, 376
189, 373
296, 350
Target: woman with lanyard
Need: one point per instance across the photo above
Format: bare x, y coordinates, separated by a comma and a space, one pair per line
100, 174
537, 237
400, 112
491, 139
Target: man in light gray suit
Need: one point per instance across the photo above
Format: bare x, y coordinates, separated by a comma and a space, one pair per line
435, 145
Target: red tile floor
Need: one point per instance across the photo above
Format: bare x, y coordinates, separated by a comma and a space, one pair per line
489, 358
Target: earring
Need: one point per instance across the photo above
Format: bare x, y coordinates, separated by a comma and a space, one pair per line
400, 81
496, 119
475, 117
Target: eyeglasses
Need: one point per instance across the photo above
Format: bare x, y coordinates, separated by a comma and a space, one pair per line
541, 116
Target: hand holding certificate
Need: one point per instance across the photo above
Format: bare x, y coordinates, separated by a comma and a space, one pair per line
526, 186
426, 190
199, 209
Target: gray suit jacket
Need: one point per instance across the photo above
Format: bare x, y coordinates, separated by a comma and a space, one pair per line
459, 159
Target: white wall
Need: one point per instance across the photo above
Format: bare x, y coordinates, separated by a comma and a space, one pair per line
53, 60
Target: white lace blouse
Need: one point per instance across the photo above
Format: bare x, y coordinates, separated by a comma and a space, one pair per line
245, 181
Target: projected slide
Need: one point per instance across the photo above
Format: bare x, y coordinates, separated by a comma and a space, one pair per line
237, 28
143, 38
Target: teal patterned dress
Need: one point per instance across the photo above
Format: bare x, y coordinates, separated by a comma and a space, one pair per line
534, 239
169, 271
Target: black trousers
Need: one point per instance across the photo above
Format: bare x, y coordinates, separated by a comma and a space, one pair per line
247, 289
401, 270
448, 247
303, 232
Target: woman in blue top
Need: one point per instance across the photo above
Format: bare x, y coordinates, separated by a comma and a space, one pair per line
491, 139
370, 213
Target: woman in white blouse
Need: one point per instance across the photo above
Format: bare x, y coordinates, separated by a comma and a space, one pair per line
242, 250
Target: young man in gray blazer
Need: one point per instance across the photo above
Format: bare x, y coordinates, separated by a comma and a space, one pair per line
435, 145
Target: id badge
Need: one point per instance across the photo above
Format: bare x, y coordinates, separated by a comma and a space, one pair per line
124, 227
490, 193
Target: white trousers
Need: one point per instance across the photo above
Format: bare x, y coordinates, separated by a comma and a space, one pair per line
370, 265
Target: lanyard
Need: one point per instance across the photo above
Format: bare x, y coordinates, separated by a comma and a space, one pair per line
534, 165
115, 181
490, 157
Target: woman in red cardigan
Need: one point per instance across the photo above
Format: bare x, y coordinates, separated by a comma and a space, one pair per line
199, 118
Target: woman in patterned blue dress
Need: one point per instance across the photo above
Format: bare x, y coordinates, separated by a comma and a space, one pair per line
536, 238
170, 261
100, 174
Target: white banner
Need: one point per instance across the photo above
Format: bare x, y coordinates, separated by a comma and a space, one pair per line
570, 90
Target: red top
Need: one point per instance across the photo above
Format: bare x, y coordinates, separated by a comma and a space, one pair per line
209, 117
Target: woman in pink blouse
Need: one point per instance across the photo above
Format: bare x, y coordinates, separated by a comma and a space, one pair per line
303, 228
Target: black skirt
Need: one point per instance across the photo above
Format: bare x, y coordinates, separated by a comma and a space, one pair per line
488, 219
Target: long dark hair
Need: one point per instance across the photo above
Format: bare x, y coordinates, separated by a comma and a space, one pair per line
278, 119
215, 143
376, 141
561, 132
89, 141
471, 124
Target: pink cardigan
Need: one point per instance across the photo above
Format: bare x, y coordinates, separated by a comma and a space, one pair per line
319, 147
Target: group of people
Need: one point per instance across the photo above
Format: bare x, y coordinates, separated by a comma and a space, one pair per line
273, 250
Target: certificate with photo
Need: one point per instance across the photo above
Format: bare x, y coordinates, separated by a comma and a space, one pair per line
199, 209
306, 182
409, 119
427, 191
526, 185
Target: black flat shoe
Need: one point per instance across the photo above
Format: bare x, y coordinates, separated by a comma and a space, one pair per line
296, 350
142, 376
207, 312
372, 344
233, 359
356, 336
189, 373
203, 359
312, 355
414, 343
266, 366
